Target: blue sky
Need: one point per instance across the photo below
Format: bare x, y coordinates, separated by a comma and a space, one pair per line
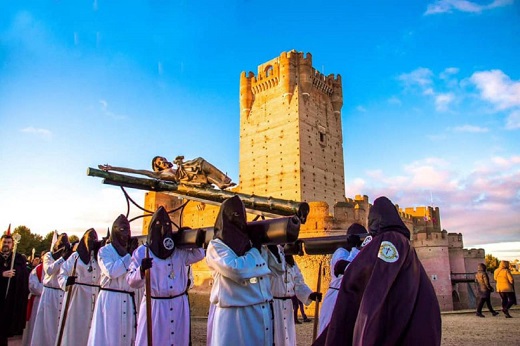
431, 91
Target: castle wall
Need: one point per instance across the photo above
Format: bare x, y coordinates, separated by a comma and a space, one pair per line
432, 250
457, 265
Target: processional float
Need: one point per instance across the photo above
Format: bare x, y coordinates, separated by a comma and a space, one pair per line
282, 229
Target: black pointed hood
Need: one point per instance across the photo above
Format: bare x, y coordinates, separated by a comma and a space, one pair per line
160, 234
230, 226
120, 235
61, 245
354, 233
384, 217
87, 245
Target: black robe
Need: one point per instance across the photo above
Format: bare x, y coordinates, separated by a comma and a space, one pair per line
386, 297
13, 308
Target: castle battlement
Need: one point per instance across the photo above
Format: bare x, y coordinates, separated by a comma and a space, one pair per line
474, 253
455, 240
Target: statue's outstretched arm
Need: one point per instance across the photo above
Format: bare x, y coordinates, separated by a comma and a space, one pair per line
130, 170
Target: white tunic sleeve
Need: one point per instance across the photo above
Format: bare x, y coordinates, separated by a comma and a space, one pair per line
236, 268
35, 286
111, 266
301, 289
66, 270
51, 266
134, 278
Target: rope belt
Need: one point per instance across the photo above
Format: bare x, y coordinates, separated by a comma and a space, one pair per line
282, 298
131, 294
53, 288
172, 297
85, 284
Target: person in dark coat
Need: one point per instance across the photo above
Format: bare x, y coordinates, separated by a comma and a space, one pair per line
13, 299
484, 290
386, 297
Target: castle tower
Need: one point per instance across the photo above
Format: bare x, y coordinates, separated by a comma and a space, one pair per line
291, 143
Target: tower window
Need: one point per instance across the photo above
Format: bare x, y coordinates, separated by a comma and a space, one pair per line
322, 137
268, 71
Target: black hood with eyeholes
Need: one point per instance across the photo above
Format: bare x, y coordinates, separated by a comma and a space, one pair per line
61, 245
88, 246
384, 217
160, 234
230, 226
120, 235
354, 233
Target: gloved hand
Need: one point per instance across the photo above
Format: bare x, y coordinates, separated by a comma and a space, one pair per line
316, 296
146, 263
340, 266
133, 244
71, 280
275, 252
256, 239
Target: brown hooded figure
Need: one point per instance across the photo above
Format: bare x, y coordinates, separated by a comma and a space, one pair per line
230, 226
88, 246
386, 297
120, 235
61, 247
160, 234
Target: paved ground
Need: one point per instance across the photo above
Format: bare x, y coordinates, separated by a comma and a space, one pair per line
458, 328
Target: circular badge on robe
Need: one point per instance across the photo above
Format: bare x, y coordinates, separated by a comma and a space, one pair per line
388, 252
168, 243
367, 240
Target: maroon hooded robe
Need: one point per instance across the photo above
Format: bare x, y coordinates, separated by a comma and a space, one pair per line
385, 297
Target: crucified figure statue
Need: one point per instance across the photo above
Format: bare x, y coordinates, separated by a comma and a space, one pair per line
196, 172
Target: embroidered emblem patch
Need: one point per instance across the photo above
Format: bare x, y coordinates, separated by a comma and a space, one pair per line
168, 243
388, 252
367, 240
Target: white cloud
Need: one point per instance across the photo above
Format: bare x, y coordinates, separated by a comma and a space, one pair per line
471, 129
449, 6
513, 120
421, 77
361, 109
497, 88
43, 133
449, 72
443, 101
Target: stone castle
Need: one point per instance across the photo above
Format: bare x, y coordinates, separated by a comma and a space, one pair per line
291, 147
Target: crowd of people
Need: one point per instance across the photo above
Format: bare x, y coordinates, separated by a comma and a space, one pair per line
113, 291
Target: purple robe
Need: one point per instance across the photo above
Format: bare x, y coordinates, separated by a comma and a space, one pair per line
386, 297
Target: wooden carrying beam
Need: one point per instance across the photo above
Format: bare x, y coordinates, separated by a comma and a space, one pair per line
259, 205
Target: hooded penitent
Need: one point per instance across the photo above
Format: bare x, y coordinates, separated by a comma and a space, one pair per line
354, 233
120, 236
87, 246
160, 234
230, 226
385, 297
60, 246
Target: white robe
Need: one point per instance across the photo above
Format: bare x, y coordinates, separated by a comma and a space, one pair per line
287, 281
35, 289
83, 295
114, 320
168, 278
49, 308
242, 296
329, 300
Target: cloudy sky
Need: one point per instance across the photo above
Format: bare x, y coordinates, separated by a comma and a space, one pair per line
431, 111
